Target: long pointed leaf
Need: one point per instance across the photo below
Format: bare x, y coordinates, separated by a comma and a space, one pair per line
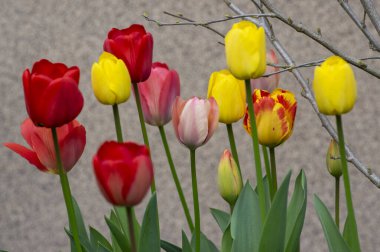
118, 234
169, 247
221, 217
150, 228
350, 234
186, 246
96, 237
206, 244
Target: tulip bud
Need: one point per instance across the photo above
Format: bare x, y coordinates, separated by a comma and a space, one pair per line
245, 50
229, 94
333, 161
110, 80
229, 179
334, 86
268, 83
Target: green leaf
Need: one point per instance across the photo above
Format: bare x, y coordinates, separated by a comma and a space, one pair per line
102, 248
186, 246
296, 214
246, 222
227, 240
206, 244
273, 235
83, 236
121, 214
72, 245
334, 239
221, 217
266, 192
350, 233
169, 247
96, 237
150, 228
117, 233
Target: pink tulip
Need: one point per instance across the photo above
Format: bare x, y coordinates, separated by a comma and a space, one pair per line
158, 93
71, 138
195, 120
268, 83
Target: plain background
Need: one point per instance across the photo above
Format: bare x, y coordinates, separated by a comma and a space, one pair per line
32, 212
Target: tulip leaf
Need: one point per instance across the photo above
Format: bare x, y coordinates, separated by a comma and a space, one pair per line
121, 214
96, 237
350, 233
102, 248
169, 247
334, 239
186, 246
83, 236
245, 221
72, 244
117, 234
206, 244
227, 240
296, 214
221, 217
266, 191
150, 228
274, 229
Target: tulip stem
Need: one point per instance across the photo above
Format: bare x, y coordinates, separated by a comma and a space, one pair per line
256, 150
196, 202
116, 116
142, 124
273, 168
346, 181
231, 138
175, 178
337, 180
131, 228
267, 170
66, 193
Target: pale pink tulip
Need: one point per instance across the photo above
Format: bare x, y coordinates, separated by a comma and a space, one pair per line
268, 83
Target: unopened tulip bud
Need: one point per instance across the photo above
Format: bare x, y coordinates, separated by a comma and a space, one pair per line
229, 179
333, 162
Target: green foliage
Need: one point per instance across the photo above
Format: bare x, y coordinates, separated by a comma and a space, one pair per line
150, 229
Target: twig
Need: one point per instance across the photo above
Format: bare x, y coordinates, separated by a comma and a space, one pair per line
374, 16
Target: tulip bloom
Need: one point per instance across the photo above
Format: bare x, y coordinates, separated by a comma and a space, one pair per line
268, 83
52, 97
124, 172
135, 47
110, 80
158, 93
245, 50
195, 120
229, 94
71, 139
334, 86
275, 114
333, 161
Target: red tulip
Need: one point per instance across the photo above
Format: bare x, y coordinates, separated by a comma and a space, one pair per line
71, 138
268, 83
52, 97
124, 172
158, 93
195, 120
135, 47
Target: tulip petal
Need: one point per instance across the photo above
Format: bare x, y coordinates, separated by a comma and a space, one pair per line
100, 86
43, 145
213, 117
178, 106
29, 155
73, 73
49, 69
72, 147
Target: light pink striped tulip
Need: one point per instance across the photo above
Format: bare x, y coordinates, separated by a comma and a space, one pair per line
268, 83
195, 120
158, 93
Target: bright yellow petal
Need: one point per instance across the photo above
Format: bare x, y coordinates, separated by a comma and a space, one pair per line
100, 86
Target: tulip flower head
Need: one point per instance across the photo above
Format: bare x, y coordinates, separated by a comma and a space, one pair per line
158, 93
334, 86
124, 172
229, 94
110, 80
195, 120
52, 97
134, 46
268, 83
333, 161
245, 50
71, 139
275, 114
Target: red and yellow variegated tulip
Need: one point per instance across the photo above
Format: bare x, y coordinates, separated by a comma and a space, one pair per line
268, 83
71, 139
195, 120
275, 113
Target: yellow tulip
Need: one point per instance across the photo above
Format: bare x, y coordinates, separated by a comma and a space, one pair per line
334, 86
110, 80
245, 50
229, 94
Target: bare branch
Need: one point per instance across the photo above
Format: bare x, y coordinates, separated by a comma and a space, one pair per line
373, 15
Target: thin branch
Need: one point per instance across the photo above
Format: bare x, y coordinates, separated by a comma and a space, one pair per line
374, 43
373, 15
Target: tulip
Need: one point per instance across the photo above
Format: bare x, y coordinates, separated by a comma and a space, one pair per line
229, 179
333, 161
268, 83
275, 114
158, 93
245, 50
195, 120
71, 139
52, 97
334, 86
124, 172
229, 94
135, 47
110, 80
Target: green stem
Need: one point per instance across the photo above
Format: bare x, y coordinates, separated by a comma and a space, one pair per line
273, 168
256, 151
346, 178
175, 178
267, 170
66, 193
231, 138
337, 180
142, 124
196, 202
116, 116
131, 228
